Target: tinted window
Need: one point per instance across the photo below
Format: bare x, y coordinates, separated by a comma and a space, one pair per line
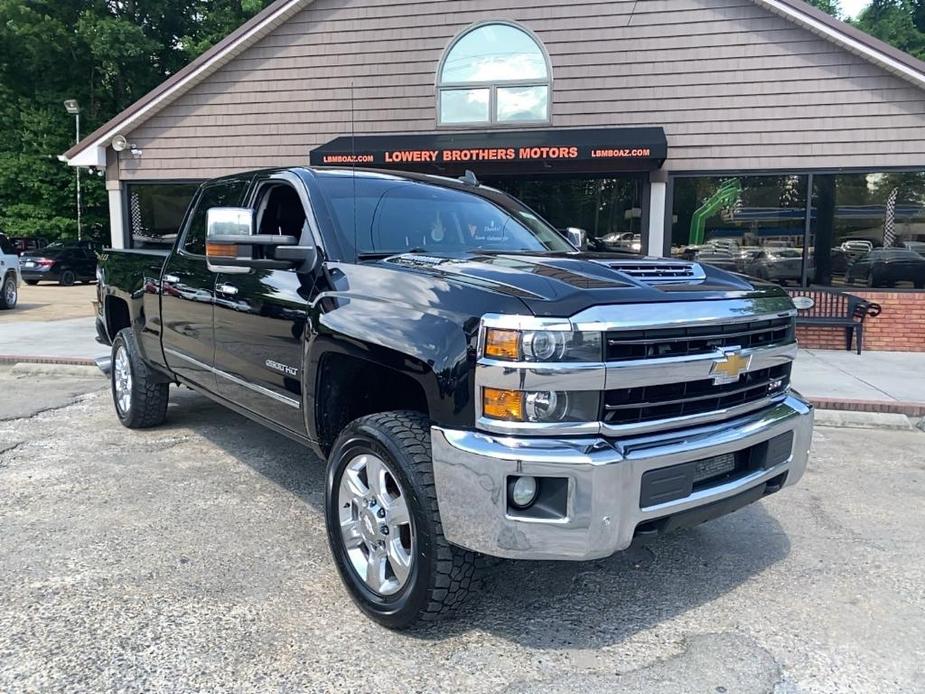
6, 248
394, 216
155, 210
222, 194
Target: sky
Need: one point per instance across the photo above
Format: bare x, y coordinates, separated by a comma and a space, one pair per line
852, 8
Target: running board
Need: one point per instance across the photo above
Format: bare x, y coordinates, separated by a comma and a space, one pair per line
104, 364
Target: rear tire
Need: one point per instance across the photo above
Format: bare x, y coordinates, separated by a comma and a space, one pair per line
140, 397
67, 278
425, 578
32, 283
9, 294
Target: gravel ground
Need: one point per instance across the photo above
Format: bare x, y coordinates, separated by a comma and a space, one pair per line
192, 557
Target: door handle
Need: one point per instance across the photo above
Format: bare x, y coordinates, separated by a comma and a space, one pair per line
173, 279
228, 289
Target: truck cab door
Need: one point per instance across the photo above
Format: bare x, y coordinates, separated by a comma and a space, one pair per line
187, 290
260, 315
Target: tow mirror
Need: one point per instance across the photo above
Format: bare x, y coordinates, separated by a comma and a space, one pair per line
803, 302
577, 237
233, 247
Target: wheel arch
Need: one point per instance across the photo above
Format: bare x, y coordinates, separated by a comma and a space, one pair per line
348, 385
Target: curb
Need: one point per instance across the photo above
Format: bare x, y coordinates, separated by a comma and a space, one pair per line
910, 409
62, 361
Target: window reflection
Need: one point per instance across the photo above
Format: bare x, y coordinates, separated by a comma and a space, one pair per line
749, 224
607, 210
494, 73
868, 229
494, 53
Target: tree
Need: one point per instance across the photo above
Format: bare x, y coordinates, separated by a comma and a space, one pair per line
831, 6
104, 53
901, 23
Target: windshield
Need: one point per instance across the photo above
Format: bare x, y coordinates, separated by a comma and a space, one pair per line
386, 216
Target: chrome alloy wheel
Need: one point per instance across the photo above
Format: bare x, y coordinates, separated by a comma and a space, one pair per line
9, 292
122, 380
375, 524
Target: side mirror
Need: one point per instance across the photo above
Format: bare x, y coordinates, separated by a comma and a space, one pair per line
233, 247
577, 237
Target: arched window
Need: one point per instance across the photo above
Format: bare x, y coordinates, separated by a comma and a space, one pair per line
493, 73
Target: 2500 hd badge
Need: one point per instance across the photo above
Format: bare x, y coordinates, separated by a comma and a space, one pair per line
473, 393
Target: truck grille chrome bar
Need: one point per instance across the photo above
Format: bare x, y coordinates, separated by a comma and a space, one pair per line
670, 400
659, 343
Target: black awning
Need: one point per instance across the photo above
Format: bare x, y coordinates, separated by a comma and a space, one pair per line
597, 150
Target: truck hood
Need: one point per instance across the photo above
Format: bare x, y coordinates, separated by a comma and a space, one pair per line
562, 285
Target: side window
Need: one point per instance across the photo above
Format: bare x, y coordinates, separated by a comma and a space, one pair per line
6, 248
223, 194
280, 211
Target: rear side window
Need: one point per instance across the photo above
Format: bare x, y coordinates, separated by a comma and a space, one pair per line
6, 248
222, 194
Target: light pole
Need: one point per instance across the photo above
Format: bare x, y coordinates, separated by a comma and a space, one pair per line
72, 107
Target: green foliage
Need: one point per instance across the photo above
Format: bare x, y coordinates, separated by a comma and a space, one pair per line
104, 53
900, 23
831, 6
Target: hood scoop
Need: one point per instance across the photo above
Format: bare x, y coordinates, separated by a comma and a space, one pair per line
660, 271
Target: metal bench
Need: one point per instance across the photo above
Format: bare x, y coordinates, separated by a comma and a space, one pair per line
836, 309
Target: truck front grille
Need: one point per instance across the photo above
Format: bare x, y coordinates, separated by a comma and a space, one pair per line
659, 343
667, 401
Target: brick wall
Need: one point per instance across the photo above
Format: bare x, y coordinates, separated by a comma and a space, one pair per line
900, 328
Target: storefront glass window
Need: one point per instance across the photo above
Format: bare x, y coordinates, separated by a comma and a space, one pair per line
494, 73
155, 210
749, 224
465, 105
868, 229
608, 210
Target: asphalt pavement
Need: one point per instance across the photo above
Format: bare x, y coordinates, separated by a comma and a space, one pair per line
192, 557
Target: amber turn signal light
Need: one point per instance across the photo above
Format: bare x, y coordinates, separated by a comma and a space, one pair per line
506, 405
221, 250
502, 344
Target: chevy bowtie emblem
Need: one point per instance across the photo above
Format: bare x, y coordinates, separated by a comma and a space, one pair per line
730, 367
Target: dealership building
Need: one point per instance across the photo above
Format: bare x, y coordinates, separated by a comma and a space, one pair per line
761, 135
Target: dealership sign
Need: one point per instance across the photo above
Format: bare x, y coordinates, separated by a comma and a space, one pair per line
570, 150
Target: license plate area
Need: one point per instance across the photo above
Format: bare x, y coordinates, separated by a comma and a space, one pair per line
680, 481
28, 264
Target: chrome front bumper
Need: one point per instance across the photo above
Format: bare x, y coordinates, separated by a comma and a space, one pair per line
604, 481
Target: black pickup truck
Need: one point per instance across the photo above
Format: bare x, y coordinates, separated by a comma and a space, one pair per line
477, 385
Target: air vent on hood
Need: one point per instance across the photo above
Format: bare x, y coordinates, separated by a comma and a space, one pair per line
660, 271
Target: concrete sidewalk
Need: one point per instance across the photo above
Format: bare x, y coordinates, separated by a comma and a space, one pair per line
67, 340
872, 381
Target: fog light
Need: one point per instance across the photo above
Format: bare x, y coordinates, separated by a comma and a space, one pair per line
523, 491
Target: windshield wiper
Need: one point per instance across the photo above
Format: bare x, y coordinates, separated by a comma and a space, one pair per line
373, 255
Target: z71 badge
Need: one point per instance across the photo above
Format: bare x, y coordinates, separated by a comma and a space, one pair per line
282, 368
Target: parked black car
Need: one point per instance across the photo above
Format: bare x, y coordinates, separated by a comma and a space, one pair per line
65, 263
884, 267
23, 244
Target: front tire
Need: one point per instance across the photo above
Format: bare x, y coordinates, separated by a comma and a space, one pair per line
384, 526
139, 395
32, 283
9, 294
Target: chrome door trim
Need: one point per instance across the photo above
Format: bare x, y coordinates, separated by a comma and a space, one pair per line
291, 402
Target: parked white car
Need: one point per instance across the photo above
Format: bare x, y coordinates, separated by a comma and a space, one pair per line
10, 278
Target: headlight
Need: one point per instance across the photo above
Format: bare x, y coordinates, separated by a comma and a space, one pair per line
546, 406
542, 345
